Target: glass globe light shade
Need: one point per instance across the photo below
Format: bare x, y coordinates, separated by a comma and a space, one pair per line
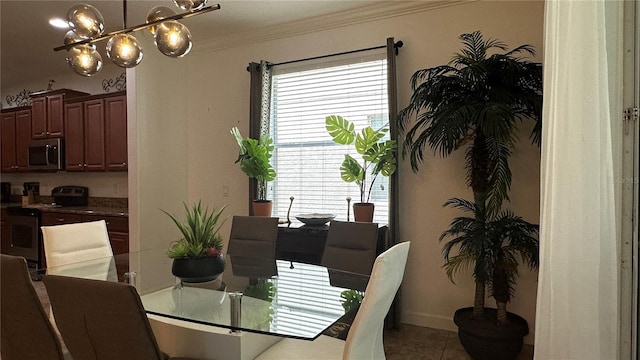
84, 60
124, 50
85, 20
158, 13
173, 39
190, 5
71, 37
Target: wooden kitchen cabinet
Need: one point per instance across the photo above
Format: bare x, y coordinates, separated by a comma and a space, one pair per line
15, 129
55, 218
47, 112
116, 132
117, 226
96, 133
94, 142
74, 136
5, 232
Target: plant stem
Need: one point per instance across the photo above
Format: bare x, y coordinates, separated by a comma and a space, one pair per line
478, 301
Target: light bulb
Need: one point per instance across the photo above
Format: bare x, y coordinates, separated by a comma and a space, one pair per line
124, 50
157, 13
84, 60
190, 5
173, 39
85, 20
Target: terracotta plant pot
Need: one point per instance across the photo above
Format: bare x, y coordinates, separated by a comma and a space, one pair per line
363, 212
484, 340
196, 270
262, 208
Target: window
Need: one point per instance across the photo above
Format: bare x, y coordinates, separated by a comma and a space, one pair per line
305, 157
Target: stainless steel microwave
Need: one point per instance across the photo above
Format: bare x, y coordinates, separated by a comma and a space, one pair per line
47, 154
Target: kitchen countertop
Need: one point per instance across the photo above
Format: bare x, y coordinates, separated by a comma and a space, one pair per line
80, 210
89, 210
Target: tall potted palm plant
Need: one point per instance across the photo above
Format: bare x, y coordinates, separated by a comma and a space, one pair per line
476, 102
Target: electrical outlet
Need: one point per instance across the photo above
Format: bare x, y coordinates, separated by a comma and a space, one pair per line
225, 190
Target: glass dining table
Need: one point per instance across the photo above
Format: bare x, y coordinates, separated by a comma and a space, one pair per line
259, 295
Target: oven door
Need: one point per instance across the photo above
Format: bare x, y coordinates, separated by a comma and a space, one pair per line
24, 237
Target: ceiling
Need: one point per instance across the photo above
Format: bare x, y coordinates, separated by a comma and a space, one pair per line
27, 40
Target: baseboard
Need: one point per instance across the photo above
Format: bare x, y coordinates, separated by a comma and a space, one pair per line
428, 320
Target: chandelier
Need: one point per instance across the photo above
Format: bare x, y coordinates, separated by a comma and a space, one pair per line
172, 38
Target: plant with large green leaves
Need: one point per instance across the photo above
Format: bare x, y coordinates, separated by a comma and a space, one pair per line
378, 156
200, 233
476, 102
255, 159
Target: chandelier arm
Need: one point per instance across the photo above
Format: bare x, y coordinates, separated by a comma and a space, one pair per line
139, 27
124, 14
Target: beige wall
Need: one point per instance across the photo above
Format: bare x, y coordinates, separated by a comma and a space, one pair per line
189, 108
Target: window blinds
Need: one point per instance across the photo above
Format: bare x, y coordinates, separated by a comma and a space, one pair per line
305, 157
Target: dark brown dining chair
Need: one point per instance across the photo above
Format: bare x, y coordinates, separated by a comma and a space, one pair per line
253, 236
351, 246
25, 330
101, 320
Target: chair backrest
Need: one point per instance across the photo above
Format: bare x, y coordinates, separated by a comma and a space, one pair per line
25, 330
364, 340
253, 236
351, 246
72, 243
101, 319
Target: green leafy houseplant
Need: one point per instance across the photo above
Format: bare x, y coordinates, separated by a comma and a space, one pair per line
254, 159
378, 156
200, 233
476, 102
351, 299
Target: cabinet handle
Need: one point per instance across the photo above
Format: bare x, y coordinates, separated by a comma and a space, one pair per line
125, 164
60, 220
48, 133
80, 165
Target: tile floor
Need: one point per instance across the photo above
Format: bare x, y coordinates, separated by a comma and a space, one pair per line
409, 342
412, 342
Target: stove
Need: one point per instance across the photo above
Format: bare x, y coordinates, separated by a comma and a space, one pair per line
24, 223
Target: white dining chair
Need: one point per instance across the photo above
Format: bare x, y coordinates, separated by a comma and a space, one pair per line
86, 242
74, 243
364, 340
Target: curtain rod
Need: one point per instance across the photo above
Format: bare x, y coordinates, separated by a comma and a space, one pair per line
396, 45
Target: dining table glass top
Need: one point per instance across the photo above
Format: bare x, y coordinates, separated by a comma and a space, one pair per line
261, 295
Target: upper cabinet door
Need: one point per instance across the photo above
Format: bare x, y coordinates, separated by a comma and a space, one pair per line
74, 136
116, 132
39, 118
55, 115
23, 139
94, 144
8, 138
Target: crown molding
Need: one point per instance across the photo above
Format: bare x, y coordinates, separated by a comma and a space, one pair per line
378, 11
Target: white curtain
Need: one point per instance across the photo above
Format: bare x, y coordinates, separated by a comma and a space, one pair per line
577, 313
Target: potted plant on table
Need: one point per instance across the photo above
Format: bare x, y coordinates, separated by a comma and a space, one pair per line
197, 256
476, 102
254, 159
378, 158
